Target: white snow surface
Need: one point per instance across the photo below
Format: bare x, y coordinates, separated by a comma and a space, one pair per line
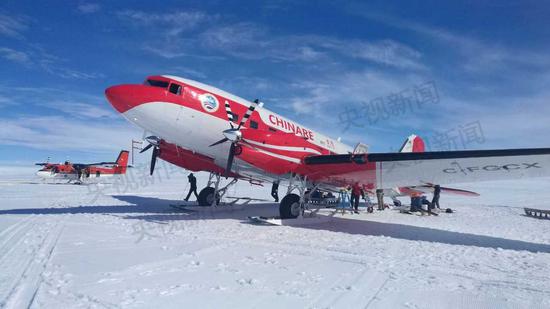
121, 245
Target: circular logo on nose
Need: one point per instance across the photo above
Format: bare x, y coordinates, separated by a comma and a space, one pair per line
209, 102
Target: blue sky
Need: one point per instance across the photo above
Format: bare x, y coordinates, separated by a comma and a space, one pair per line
313, 62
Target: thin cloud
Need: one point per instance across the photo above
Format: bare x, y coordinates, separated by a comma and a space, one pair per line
478, 56
82, 110
13, 26
36, 58
81, 122
59, 133
171, 51
5, 101
15, 56
250, 41
67, 73
33, 56
66, 102
177, 22
88, 8
387, 52
188, 72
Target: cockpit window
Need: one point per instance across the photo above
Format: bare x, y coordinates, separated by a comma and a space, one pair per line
175, 89
156, 83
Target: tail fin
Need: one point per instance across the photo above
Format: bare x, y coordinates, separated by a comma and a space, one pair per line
122, 162
413, 144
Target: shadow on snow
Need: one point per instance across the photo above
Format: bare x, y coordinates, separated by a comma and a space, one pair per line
157, 210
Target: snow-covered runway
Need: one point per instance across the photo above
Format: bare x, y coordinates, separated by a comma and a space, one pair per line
122, 245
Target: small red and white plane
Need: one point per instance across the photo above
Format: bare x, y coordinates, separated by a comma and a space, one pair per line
201, 128
78, 172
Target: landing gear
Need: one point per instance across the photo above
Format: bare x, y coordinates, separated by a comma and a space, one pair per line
206, 197
211, 195
293, 205
290, 206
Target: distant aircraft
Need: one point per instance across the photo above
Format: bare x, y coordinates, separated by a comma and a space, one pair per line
202, 128
78, 172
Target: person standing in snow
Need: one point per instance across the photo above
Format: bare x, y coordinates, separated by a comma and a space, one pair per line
356, 193
435, 199
380, 198
275, 191
193, 188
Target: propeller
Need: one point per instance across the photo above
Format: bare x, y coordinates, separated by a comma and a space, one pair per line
234, 135
154, 142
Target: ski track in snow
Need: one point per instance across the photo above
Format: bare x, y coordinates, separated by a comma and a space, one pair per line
93, 246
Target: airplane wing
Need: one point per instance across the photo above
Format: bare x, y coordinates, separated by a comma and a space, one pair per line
429, 188
387, 170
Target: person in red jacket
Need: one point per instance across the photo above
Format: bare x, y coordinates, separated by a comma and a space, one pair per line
356, 193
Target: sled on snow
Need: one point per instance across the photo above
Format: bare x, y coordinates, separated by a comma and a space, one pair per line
537, 213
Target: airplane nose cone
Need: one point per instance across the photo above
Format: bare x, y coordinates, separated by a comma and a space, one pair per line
126, 97
120, 97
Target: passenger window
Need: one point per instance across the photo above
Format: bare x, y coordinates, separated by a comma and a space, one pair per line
97, 174
175, 89
253, 124
272, 130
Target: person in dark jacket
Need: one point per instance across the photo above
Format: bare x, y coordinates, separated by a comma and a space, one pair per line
380, 198
193, 188
416, 202
424, 201
275, 190
435, 199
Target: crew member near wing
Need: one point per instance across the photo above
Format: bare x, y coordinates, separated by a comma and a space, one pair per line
275, 191
193, 188
380, 198
435, 199
356, 193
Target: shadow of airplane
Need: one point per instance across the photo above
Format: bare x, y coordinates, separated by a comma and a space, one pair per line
417, 233
157, 210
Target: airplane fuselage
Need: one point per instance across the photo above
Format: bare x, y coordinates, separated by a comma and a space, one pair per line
192, 115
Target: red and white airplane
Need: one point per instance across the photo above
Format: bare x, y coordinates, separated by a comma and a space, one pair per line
78, 172
201, 128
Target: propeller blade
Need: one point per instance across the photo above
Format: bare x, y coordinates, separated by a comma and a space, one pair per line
229, 114
249, 111
146, 148
230, 159
223, 140
155, 140
154, 160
